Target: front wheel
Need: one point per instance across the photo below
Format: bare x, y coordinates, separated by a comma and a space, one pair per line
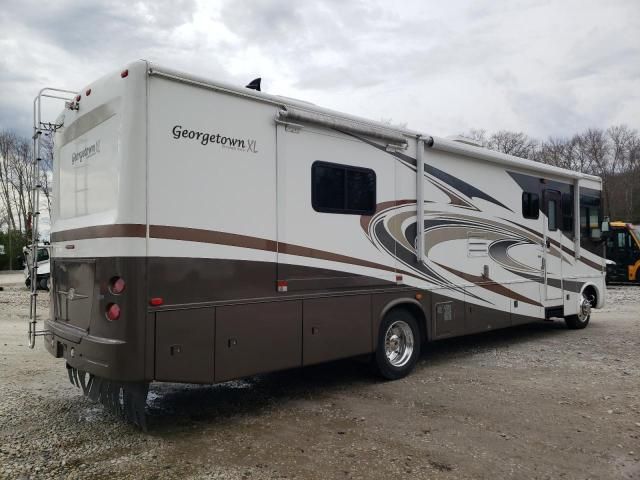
581, 320
398, 348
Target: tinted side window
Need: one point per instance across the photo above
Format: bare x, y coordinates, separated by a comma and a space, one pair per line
328, 188
567, 212
530, 205
361, 190
343, 189
552, 208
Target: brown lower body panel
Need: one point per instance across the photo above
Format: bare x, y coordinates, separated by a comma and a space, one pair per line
225, 319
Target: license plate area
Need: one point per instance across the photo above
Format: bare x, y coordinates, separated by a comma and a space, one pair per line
73, 284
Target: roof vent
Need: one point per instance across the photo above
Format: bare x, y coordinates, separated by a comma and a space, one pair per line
255, 84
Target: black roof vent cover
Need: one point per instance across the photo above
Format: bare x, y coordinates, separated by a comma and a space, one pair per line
255, 84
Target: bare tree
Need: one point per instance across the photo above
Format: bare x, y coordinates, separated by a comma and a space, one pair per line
625, 145
46, 167
22, 181
559, 152
518, 144
478, 135
7, 145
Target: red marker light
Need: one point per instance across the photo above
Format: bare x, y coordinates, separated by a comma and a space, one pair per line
124, 73
117, 285
156, 301
88, 92
113, 311
78, 97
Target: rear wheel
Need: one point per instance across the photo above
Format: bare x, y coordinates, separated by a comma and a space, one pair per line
43, 283
581, 320
398, 348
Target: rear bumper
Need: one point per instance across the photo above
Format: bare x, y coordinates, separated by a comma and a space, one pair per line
103, 357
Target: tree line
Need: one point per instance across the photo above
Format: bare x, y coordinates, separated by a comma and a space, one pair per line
17, 183
612, 154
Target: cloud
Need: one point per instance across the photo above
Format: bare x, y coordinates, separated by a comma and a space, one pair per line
546, 68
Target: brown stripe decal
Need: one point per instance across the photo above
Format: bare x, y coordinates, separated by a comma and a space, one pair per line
333, 257
567, 250
234, 240
366, 219
493, 287
101, 231
211, 236
168, 232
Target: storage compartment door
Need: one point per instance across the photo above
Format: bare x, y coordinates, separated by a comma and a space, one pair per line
336, 327
487, 308
257, 338
448, 315
184, 345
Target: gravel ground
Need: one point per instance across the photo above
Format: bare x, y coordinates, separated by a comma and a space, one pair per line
537, 401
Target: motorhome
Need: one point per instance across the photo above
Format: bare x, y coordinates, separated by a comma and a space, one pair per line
204, 232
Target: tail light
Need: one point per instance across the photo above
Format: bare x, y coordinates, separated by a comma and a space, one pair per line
117, 285
124, 73
113, 311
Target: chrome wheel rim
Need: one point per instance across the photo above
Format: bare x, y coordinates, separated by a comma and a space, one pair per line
585, 309
398, 343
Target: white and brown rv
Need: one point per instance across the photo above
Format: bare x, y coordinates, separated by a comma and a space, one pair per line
204, 232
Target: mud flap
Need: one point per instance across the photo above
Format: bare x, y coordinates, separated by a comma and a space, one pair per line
126, 400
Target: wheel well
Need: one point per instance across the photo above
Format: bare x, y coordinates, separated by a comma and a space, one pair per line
592, 294
417, 313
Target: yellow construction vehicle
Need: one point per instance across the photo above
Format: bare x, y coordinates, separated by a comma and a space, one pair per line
623, 252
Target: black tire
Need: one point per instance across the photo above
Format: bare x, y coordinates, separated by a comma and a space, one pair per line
43, 283
580, 321
407, 331
574, 323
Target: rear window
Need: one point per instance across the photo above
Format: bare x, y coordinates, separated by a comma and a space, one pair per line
88, 169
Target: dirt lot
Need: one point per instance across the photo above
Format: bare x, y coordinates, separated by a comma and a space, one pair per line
537, 401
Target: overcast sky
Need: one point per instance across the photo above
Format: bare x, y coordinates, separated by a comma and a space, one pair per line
542, 67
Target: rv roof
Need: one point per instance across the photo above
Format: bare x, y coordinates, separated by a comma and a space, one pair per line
438, 143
